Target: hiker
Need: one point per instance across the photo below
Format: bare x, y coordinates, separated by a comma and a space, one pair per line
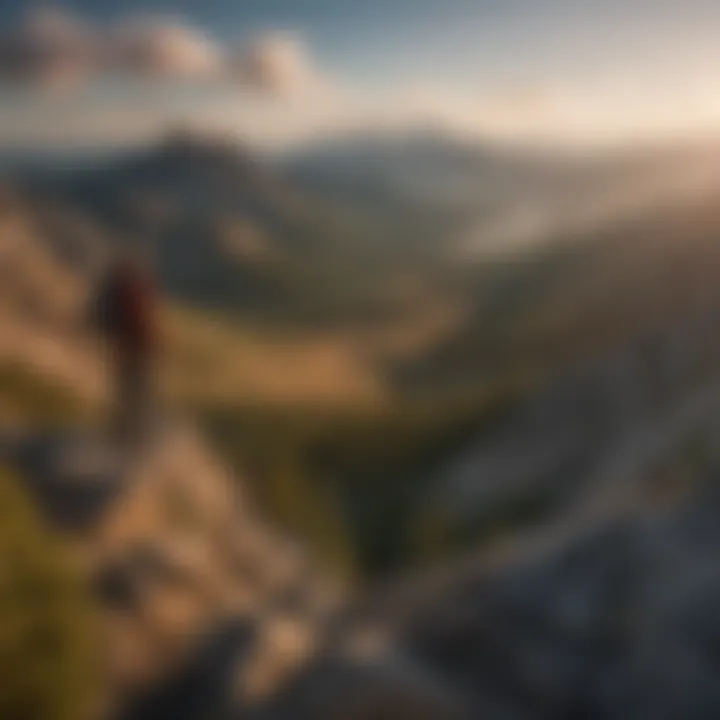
124, 313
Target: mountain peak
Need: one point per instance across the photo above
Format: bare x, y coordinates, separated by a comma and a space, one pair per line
184, 145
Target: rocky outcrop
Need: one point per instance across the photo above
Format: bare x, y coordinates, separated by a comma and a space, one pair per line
208, 612
177, 557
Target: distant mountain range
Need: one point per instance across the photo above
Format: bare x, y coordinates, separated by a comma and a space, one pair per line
323, 235
426, 165
503, 196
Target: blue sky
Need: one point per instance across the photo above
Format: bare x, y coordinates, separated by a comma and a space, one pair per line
546, 70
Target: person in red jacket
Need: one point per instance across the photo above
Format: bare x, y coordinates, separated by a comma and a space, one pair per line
125, 313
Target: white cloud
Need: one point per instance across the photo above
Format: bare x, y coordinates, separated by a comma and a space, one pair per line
53, 48
159, 47
277, 62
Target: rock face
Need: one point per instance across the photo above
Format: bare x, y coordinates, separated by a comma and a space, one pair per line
616, 621
207, 612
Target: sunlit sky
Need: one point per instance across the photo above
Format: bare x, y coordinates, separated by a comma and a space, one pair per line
580, 71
